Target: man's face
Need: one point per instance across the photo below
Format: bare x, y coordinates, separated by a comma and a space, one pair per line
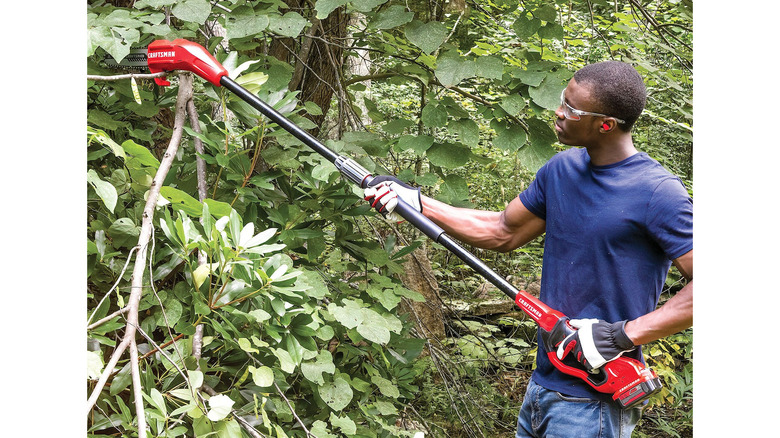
581, 132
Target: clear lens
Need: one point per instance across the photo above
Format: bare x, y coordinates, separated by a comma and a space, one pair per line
567, 110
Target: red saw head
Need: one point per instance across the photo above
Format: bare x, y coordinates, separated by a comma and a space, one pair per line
179, 54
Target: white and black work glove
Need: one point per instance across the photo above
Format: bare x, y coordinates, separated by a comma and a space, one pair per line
596, 342
384, 192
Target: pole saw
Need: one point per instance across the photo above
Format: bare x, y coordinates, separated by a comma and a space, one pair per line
628, 380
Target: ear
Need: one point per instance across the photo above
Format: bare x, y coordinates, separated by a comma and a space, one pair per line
608, 125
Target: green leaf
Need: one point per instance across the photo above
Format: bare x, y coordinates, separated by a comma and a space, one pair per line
182, 201
200, 274
489, 67
434, 115
218, 208
451, 68
397, 126
512, 104
325, 7
104, 190
285, 360
219, 407
467, 130
243, 22
448, 155
454, 191
427, 36
124, 232
418, 143
548, 94
312, 371
137, 154
511, 138
94, 365
393, 16
290, 24
347, 426
349, 315
336, 394
540, 149
373, 327
385, 386
195, 11
263, 376
525, 26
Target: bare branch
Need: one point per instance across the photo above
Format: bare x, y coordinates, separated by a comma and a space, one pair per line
289, 405
136, 288
128, 76
107, 318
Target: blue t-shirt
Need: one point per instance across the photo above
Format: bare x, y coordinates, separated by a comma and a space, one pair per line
611, 234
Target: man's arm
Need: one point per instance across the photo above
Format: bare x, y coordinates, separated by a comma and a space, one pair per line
499, 231
674, 316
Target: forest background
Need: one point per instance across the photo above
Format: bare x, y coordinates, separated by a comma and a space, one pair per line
63, 251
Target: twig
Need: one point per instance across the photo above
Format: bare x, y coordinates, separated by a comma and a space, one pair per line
121, 274
128, 76
107, 318
308, 433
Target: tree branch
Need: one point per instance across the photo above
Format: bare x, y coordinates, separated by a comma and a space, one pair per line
136, 288
128, 76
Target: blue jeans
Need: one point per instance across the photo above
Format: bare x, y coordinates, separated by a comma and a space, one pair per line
550, 414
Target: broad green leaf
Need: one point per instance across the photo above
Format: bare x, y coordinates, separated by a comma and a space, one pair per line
312, 371
385, 408
385, 386
525, 26
104, 139
548, 94
393, 16
349, 315
139, 154
490, 67
196, 378
263, 376
454, 191
366, 5
218, 208
124, 232
452, 68
182, 201
373, 327
172, 312
427, 36
219, 407
397, 126
418, 143
510, 139
336, 394
325, 7
195, 11
104, 190
159, 401
540, 149
467, 130
290, 24
512, 104
347, 426
200, 274
285, 360
434, 115
243, 22
448, 155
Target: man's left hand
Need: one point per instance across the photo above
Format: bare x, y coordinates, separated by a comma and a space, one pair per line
596, 342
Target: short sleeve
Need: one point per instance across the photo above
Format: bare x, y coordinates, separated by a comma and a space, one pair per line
670, 218
533, 198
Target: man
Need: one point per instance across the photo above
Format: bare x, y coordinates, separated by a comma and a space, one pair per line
615, 221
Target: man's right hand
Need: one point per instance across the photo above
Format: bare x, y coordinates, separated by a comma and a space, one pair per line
383, 194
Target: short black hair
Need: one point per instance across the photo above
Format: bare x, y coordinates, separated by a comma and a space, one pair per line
618, 89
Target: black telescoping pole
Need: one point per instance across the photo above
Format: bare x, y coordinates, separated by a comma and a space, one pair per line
362, 178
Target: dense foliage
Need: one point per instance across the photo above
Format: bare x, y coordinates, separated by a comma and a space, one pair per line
271, 299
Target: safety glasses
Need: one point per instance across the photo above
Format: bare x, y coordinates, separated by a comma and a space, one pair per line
574, 114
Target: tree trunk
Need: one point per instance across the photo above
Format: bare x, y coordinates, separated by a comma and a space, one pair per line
318, 64
428, 317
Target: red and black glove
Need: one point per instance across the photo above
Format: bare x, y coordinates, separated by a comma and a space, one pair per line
596, 342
